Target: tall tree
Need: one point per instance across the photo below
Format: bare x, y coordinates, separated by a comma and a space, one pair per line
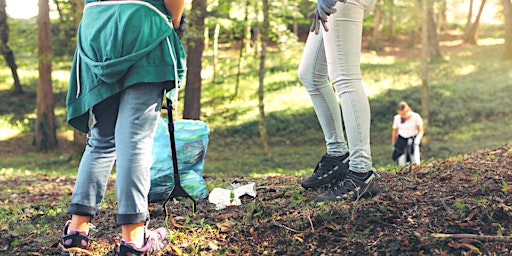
507, 12
377, 27
433, 39
78, 137
391, 19
195, 47
261, 88
6, 51
470, 36
45, 138
425, 48
245, 38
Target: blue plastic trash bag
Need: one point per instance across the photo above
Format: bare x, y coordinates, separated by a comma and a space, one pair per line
191, 142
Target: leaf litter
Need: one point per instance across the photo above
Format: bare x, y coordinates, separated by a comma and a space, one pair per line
456, 206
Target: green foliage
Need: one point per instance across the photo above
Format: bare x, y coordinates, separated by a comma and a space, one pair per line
469, 106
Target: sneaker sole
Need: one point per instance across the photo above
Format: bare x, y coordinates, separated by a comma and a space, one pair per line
324, 181
74, 251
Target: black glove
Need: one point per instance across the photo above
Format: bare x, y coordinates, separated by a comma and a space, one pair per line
183, 26
315, 26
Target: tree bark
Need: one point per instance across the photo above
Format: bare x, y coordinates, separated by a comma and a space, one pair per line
469, 18
195, 47
79, 137
470, 37
46, 138
245, 38
424, 64
391, 19
261, 89
6, 51
433, 39
215, 51
377, 27
507, 12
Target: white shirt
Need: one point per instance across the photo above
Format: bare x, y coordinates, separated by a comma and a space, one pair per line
409, 128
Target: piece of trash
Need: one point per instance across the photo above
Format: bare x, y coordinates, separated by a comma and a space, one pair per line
222, 197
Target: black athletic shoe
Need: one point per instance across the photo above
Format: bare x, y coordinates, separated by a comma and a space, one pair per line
74, 242
327, 170
352, 188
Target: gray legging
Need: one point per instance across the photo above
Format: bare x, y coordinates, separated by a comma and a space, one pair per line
335, 55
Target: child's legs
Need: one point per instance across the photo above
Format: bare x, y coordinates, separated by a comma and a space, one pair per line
139, 109
97, 160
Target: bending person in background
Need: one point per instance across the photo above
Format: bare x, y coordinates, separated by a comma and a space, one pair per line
128, 54
332, 53
407, 134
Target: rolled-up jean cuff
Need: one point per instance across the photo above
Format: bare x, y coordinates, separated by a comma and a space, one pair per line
123, 219
83, 210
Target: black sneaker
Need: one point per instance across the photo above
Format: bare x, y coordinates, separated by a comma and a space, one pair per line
74, 242
155, 243
328, 169
352, 188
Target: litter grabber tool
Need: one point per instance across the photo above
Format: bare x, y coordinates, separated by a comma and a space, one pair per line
178, 191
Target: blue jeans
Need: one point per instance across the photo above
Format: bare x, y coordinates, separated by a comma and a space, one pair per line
122, 132
335, 56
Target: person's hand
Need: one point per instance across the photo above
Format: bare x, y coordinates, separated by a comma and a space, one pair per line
315, 26
325, 8
183, 26
417, 140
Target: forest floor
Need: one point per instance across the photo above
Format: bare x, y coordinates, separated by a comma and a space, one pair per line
456, 206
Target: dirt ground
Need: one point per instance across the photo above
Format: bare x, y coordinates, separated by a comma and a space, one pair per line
456, 206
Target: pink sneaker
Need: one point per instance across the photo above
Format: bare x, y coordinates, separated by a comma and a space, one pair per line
156, 242
74, 242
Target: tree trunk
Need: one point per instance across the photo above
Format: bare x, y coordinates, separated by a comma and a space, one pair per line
442, 20
195, 47
6, 51
262, 123
215, 51
469, 18
46, 138
242, 48
433, 39
470, 37
424, 63
391, 19
79, 137
507, 12
377, 27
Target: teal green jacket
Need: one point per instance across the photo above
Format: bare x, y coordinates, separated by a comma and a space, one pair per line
119, 45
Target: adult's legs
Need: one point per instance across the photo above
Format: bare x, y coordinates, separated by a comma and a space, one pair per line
342, 48
416, 157
313, 75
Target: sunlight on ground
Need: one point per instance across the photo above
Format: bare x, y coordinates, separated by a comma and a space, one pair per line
295, 98
7, 131
372, 58
451, 43
465, 70
491, 41
67, 135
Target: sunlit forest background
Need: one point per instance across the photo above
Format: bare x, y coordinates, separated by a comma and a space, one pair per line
468, 79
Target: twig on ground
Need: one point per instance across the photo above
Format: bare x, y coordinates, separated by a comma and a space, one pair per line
285, 227
473, 236
310, 222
